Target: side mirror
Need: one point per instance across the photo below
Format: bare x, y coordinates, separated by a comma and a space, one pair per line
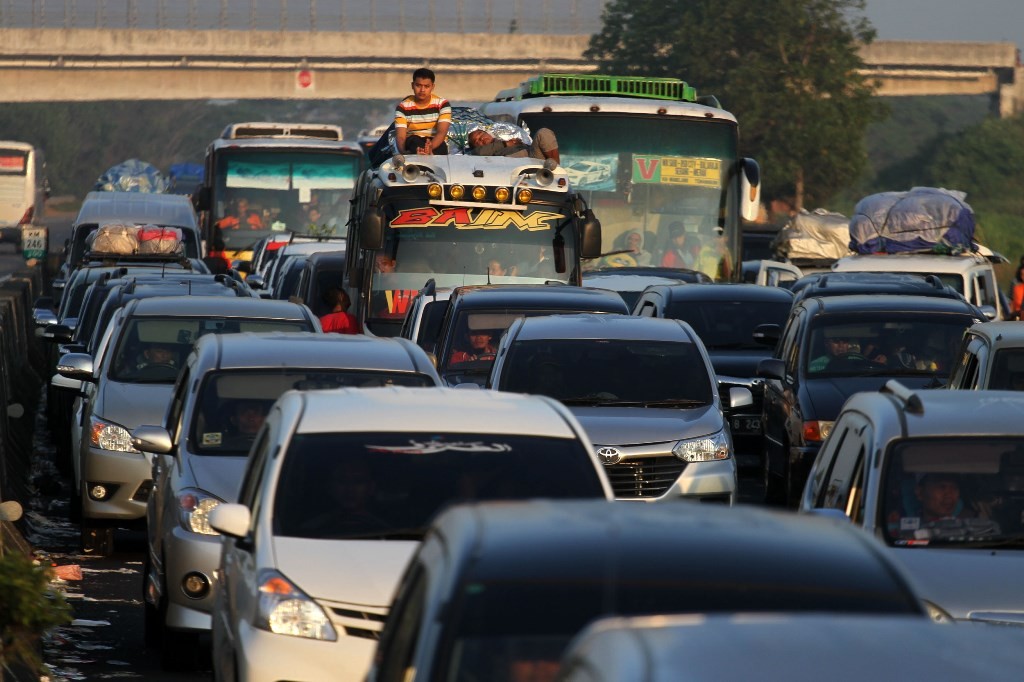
201, 199
255, 281
590, 242
767, 334
44, 317
740, 396
772, 368
154, 439
76, 366
989, 311
56, 333
469, 384
371, 229
750, 189
58, 284
231, 519
830, 513
64, 384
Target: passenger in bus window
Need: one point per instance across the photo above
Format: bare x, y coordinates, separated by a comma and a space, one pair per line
240, 216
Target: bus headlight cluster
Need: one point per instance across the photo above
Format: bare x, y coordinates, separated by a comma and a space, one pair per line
524, 196
434, 191
457, 192
479, 193
502, 194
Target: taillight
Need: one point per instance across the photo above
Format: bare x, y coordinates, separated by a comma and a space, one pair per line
27, 218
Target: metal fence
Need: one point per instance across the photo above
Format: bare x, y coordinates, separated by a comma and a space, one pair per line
572, 17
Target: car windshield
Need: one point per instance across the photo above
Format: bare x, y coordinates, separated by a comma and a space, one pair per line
724, 325
375, 485
891, 344
609, 372
964, 491
505, 627
1007, 370
151, 349
231, 405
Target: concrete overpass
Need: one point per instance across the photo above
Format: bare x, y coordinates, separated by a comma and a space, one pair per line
123, 64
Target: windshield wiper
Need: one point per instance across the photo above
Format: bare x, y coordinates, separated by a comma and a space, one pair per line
590, 400
414, 533
677, 402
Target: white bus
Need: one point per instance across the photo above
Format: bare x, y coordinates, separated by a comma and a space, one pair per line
23, 188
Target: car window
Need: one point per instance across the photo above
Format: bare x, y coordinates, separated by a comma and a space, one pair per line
352, 485
964, 491
151, 348
254, 470
840, 479
174, 413
399, 638
231, 405
728, 325
965, 373
609, 372
1007, 370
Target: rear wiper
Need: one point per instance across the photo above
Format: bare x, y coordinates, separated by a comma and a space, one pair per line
414, 533
586, 401
677, 402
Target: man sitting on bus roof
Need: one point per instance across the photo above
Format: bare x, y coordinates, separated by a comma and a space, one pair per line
422, 119
545, 145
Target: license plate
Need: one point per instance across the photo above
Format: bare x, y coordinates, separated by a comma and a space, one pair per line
746, 425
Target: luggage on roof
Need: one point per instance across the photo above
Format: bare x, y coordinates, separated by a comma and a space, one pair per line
925, 219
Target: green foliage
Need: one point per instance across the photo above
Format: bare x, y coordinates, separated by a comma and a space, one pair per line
788, 69
28, 607
83, 139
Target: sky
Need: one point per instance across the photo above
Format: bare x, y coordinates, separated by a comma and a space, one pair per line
970, 20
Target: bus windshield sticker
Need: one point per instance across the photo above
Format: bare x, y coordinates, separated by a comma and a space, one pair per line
677, 170
592, 173
263, 175
335, 175
475, 219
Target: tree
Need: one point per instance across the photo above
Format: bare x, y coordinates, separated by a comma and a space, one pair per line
788, 69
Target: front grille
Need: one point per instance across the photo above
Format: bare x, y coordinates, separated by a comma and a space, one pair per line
361, 632
360, 615
142, 494
644, 477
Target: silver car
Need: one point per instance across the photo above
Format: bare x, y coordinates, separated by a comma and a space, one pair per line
129, 383
644, 390
220, 400
938, 477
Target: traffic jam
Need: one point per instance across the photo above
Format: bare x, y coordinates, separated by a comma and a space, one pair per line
527, 407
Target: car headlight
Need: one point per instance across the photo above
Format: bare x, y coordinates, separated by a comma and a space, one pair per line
704, 448
284, 609
938, 614
109, 436
195, 507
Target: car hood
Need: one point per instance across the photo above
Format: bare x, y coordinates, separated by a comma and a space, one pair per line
642, 425
737, 363
984, 582
219, 476
364, 572
826, 396
132, 405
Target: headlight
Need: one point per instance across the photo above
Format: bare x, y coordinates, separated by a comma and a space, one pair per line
195, 507
109, 436
937, 613
284, 609
815, 432
703, 449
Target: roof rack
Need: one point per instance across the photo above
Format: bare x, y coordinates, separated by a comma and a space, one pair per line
117, 258
547, 84
319, 131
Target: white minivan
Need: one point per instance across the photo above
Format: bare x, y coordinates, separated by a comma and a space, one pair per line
23, 188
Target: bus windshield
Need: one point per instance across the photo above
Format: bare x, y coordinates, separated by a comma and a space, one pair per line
457, 246
261, 192
650, 175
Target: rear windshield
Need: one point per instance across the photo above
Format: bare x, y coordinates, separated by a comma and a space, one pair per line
609, 372
967, 492
378, 485
151, 349
232, 405
726, 325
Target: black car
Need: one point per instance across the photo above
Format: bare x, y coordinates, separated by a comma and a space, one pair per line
477, 317
872, 283
497, 591
835, 346
726, 317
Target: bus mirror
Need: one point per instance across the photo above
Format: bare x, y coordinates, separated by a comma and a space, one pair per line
201, 199
590, 246
750, 189
558, 247
371, 229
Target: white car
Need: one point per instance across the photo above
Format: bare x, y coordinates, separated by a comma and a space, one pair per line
338, 492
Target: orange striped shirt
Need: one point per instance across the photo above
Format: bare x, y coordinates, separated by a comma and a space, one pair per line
422, 121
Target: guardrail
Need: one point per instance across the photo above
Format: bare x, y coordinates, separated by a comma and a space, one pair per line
473, 16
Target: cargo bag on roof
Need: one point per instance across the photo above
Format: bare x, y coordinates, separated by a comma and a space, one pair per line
925, 219
817, 237
119, 240
159, 240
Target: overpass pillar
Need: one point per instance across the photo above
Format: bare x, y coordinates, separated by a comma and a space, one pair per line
1011, 95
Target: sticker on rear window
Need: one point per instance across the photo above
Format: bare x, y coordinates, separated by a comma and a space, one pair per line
214, 438
431, 447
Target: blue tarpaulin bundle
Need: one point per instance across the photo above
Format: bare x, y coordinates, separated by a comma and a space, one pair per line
132, 176
924, 219
184, 177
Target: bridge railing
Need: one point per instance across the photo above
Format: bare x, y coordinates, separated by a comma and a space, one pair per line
445, 16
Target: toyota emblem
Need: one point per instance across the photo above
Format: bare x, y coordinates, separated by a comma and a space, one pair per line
609, 455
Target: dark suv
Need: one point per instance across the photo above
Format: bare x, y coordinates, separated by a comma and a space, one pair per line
871, 283
834, 347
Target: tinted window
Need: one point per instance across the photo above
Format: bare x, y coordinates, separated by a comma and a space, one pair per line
1007, 370
350, 485
232, 405
608, 371
151, 349
890, 344
729, 324
964, 491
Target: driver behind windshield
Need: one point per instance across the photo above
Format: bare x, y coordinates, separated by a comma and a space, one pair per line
836, 346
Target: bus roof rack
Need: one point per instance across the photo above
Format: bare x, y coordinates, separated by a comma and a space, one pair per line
320, 131
546, 84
